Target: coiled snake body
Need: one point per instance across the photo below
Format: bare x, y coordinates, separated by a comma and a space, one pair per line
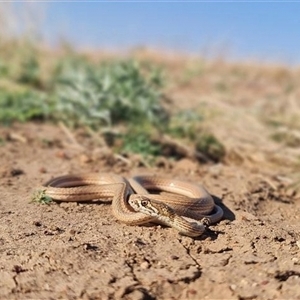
182, 205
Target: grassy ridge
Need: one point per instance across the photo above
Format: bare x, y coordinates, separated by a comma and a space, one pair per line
122, 99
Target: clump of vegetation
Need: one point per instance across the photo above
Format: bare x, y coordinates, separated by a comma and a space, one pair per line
188, 125
185, 124
40, 197
3, 69
30, 72
23, 106
287, 137
108, 94
141, 142
209, 145
121, 99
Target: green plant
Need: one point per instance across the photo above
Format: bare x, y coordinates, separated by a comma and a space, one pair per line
140, 142
3, 69
119, 99
209, 145
23, 106
30, 72
287, 138
40, 196
107, 94
185, 124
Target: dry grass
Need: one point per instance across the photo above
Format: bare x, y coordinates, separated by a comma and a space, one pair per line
252, 108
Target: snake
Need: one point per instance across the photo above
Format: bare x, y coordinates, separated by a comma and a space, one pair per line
182, 205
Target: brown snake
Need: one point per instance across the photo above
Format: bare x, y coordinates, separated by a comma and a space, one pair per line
181, 205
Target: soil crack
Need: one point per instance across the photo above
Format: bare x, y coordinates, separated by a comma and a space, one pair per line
285, 275
137, 286
17, 269
198, 266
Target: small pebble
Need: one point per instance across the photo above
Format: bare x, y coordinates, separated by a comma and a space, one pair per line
144, 265
43, 170
296, 260
84, 159
174, 257
37, 223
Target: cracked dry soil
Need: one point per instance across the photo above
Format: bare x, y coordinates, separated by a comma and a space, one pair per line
79, 251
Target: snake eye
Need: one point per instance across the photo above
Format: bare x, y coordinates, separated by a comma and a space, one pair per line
144, 203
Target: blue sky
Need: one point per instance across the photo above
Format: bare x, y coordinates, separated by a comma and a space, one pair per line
268, 31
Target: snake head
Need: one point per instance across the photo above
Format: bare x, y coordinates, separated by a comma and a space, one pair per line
139, 203
149, 206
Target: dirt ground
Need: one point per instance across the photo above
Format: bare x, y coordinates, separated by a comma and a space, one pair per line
79, 251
